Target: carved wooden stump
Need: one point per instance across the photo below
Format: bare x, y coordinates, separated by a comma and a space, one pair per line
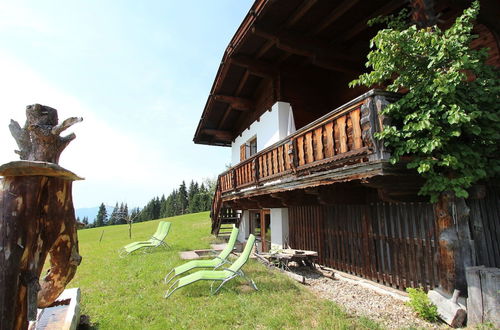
37, 219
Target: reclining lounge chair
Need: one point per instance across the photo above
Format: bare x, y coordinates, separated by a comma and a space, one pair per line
158, 239
224, 275
216, 262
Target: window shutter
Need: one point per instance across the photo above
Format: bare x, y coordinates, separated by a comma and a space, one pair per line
242, 152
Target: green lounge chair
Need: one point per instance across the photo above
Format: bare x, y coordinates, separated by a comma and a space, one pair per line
218, 261
217, 275
158, 239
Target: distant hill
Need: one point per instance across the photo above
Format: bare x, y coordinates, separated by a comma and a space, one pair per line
91, 212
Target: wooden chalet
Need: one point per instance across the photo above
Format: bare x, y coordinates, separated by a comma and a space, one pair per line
307, 171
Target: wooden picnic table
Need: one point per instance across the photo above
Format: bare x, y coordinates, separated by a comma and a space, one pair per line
283, 257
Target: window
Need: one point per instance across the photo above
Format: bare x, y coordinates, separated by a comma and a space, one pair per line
248, 149
252, 146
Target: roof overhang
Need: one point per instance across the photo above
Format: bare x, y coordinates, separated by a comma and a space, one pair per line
281, 41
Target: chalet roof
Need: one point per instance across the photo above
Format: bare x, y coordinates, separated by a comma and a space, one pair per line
283, 47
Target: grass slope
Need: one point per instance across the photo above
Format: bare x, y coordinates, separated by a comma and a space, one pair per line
127, 293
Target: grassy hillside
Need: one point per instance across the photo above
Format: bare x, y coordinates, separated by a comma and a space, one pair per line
127, 293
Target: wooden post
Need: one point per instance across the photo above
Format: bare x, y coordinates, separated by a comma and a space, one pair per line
454, 242
447, 241
37, 219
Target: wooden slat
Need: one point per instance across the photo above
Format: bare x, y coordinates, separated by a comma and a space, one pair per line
318, 143
270, 160
275, 161
356, 129
349, 133
263, 167
336, 136
300, 150
281, 158
309, 147
328, 140
287, 158
341, 122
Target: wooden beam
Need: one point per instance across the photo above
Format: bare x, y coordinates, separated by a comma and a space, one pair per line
336, 65
334, 15
320, 53
300, 12
264, 49
299, 44
236, 102
238, 90
294, 18
255, 67
219, 134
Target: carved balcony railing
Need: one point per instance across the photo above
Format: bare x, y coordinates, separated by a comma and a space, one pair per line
345, 136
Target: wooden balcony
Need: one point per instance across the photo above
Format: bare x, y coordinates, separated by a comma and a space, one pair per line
341, 138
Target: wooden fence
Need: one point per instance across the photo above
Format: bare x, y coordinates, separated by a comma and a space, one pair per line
485, 227
393, 244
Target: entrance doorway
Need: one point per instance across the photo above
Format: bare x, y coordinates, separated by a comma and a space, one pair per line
260, 226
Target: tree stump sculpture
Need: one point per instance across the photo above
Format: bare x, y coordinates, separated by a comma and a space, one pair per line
37, 219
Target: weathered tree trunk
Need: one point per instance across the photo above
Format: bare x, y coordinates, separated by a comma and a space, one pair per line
454, 245
37, 219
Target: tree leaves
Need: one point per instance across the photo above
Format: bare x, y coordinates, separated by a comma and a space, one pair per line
449, 121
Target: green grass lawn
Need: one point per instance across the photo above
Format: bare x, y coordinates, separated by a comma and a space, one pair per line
127, 293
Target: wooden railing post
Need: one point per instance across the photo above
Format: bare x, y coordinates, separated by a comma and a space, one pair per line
292, 155
233, 178
255, 168
372, 121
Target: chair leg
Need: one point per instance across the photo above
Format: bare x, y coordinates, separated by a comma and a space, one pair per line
220, 286
170, 291
166, 277
250, 281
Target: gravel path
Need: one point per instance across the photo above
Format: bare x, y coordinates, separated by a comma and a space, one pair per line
361, 300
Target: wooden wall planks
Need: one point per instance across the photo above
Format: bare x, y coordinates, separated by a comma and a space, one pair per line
393, 244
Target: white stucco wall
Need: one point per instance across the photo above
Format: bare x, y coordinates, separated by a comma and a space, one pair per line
244, 226
271, 127
279, 227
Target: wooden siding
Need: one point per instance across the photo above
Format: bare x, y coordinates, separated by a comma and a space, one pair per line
485, 226
393, 244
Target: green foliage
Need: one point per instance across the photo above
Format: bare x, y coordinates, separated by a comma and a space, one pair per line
421, 304
449, 120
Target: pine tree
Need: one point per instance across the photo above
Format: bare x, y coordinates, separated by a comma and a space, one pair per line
182, 198
102, 216
114, 215
192, 192
124, 217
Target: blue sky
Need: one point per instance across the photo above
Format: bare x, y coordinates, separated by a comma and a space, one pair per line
138, 72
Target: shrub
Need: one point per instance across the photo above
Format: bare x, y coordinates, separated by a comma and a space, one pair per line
421, 304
